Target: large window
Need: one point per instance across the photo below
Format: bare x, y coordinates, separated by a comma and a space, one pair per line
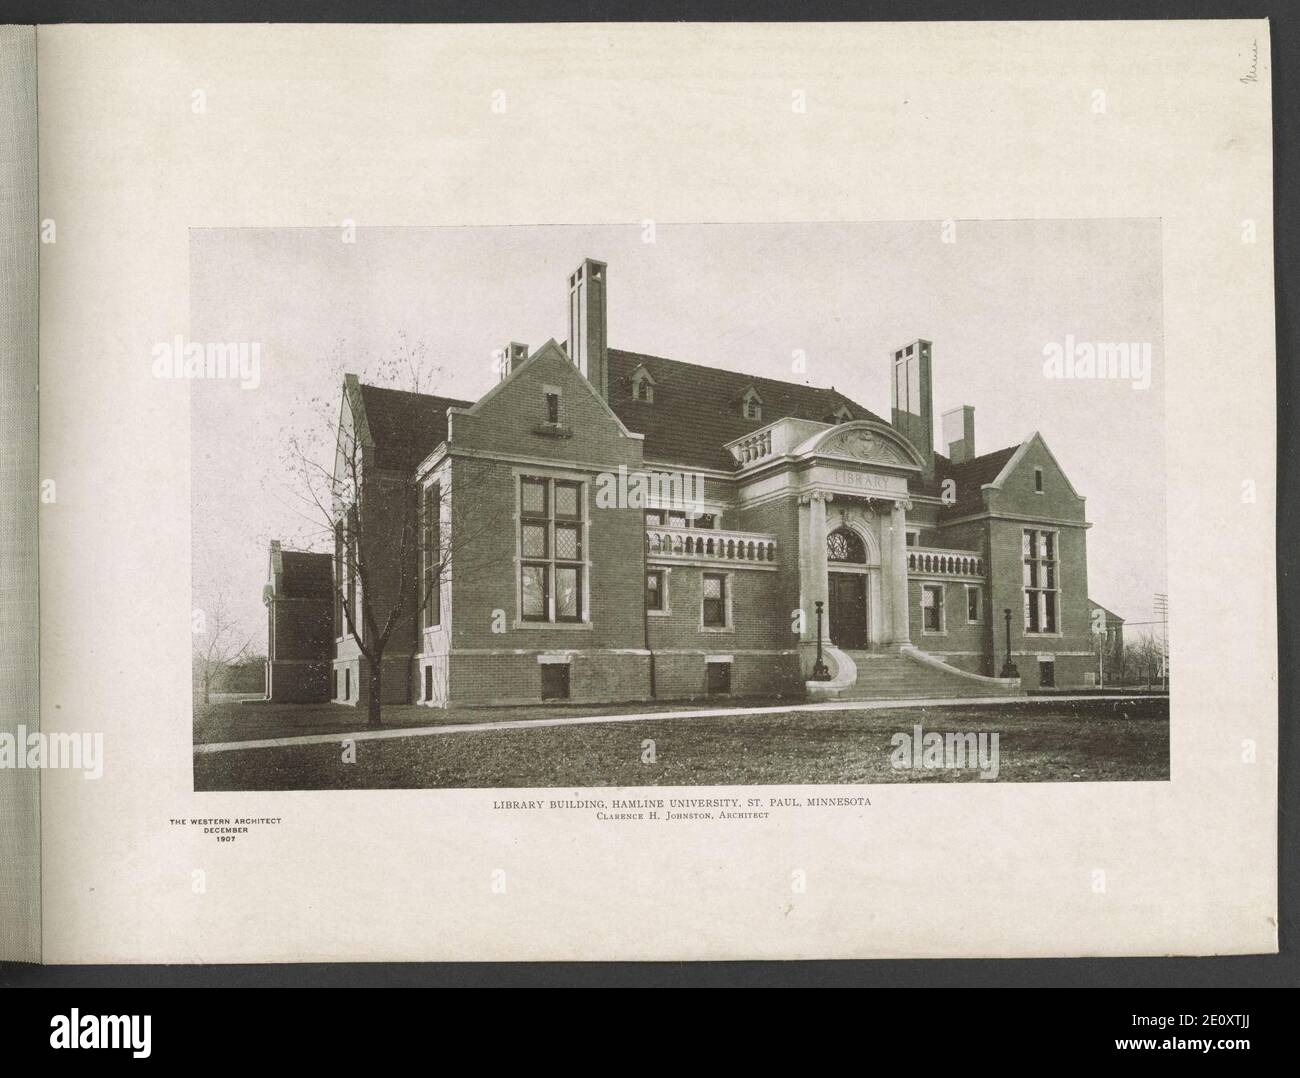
551, 568
1041, 581
431, 548
338, 580
350, 552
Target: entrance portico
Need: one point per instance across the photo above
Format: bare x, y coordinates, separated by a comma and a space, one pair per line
851, 483
853, 559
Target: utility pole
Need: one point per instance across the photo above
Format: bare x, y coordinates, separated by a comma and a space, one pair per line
1162, 615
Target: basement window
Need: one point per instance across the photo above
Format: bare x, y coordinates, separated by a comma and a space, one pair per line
718, 678
555, 681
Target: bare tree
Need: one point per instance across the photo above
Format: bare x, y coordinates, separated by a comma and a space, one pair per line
1143, 657
390, 535
218, 644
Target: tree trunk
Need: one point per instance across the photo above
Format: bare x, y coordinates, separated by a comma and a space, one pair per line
207, 695
376, 683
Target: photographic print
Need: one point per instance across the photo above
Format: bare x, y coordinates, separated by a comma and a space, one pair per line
674, 504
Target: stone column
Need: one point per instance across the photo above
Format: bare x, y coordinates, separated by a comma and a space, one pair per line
812, 561
896, 572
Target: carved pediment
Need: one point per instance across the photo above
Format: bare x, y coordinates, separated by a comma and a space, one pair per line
861, 444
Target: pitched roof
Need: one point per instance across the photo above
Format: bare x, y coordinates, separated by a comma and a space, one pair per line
968, 477
406, 427
1111, 616
696, 408
304, 575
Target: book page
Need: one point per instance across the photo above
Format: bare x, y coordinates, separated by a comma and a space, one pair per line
658, 492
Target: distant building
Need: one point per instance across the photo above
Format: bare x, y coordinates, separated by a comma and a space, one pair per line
774, 497
299, 625
1113, 650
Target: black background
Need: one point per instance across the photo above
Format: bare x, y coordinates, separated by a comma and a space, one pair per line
233, 1027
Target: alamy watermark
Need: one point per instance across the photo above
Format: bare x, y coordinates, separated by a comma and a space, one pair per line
54, 751
682, 491
212, 361
952, 751
1119, 361
113, 1031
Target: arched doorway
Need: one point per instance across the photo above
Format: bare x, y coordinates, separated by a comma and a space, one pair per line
846, 579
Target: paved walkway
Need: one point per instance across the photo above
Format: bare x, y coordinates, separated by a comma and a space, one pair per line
650, 716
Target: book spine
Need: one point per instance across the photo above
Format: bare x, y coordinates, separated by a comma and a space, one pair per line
20, 801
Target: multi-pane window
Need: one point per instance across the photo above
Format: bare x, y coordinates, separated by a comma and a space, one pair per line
551, 569
932, 608
680, 518
1040, 579
350, 553
715, 600
431, 549
656, 593
338, 579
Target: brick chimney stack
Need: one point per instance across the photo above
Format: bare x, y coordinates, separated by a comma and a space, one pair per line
588, 324
913, 408
959, 433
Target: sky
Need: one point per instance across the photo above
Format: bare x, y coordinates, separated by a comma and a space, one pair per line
742, 297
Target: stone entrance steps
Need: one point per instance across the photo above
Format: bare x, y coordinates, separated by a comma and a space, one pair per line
899, 676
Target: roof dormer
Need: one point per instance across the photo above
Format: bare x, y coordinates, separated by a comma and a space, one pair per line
842, 414
643, 385
751, 404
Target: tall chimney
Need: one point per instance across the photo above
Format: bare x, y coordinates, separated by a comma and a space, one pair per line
588, 324
511, 356
959, 433
913, 411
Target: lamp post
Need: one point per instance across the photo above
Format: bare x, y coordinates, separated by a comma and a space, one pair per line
819, 670
1008, 667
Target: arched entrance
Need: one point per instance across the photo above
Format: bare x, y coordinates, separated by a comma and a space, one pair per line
846, 579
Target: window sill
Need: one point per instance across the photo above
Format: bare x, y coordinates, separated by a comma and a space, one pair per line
553, 430
658, 613
546, 625
717, 628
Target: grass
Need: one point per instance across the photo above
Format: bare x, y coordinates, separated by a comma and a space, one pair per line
228, 720
1039, 741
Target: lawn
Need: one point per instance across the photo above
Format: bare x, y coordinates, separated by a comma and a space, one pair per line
228, 720
1040, 740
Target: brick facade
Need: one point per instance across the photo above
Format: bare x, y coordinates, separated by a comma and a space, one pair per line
544, 547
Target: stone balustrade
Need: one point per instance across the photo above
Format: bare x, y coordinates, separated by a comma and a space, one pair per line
709, 544
933, 561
